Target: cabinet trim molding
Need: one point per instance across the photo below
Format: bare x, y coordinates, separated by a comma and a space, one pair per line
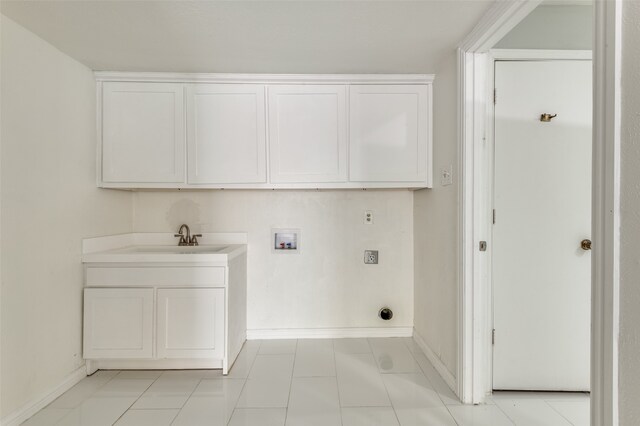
163, 77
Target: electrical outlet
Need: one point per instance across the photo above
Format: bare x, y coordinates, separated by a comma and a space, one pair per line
368, 217
371, 257
446, 175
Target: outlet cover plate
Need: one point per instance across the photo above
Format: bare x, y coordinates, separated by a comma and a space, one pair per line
371, 257
368, 217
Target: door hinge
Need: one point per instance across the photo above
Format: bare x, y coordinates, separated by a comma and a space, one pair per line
493, 336
495, 96
493, 216
483, 246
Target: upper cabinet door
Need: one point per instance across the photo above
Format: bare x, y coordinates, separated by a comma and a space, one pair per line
389, 139
226, 133
307, 133
143, 132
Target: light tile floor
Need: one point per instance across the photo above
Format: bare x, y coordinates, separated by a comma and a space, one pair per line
342, 382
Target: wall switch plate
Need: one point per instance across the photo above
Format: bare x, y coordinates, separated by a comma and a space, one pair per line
368, 217
446, 175
371, 257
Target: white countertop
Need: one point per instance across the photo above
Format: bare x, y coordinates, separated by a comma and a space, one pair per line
162, 248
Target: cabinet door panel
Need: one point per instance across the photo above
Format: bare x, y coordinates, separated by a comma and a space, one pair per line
226, 133
143, 132
307, 133
388, 133
191, 323
118, 323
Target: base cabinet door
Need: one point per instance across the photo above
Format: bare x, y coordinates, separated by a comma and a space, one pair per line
190, 323
118, 323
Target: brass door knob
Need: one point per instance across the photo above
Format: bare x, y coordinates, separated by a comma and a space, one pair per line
585, 244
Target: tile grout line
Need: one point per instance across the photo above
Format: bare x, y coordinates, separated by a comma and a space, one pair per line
90, 394
245, 380
136, 400
505, 413
431, 383
335, 366
562, 415
383, 382
295, 356
187, 400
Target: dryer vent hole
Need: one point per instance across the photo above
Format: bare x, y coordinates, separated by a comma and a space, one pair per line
385, 314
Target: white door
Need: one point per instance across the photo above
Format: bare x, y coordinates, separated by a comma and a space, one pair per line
191, 323
308, 133
388, 133
541, 275
118, 323
143, 132
226, 133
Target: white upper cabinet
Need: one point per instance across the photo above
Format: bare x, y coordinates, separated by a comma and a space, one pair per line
143, 132
308, 133
162, 130
389, 139
226, 134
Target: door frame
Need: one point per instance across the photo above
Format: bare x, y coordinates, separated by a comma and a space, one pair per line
474, 315
488, 190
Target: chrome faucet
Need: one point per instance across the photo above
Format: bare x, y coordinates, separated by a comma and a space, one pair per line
188, 239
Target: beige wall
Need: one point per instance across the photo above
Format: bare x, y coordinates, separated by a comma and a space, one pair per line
435, 222
327, 285
553, 27
49, 203
629, 361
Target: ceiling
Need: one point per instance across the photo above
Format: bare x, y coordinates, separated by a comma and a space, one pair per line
253, 36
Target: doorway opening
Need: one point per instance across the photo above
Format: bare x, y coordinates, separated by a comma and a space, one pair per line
476, 357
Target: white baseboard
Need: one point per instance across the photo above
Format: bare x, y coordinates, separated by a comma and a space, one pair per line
156, 364
44, 399
437, 363
329, 333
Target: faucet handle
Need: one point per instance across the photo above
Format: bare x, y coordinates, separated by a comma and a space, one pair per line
183, 241
194, 239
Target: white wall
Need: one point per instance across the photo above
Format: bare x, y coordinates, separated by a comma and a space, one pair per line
630, 219
553, 27
435, 216
49, 203
326, 285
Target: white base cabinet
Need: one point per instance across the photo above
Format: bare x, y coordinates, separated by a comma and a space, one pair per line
194, 317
